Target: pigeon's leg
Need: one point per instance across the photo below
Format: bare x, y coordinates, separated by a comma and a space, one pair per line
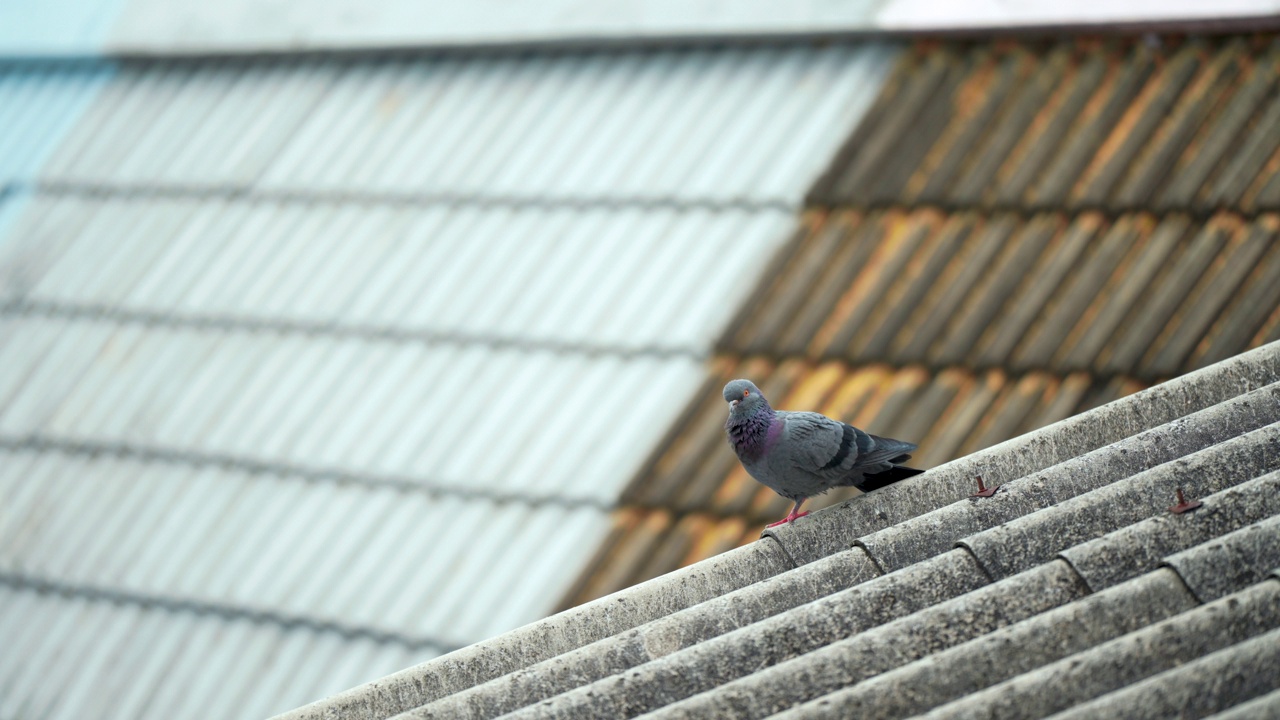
795, 513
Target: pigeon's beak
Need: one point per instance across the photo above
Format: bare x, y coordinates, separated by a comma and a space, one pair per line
733, 404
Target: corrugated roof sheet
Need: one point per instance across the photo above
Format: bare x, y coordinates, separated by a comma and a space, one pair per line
252, 542
39, 103
129, 659
1077, 559
631, 279
340, 406
1139, 295
1169, 126
750, 126
278, 334
962, 274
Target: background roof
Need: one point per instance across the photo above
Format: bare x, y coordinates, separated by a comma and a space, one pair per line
311, 369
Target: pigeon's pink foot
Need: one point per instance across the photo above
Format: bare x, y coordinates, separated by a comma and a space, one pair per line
788, 519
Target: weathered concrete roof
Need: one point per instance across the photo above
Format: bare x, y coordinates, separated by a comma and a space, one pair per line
919, 597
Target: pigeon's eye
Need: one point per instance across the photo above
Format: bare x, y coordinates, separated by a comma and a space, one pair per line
746, 393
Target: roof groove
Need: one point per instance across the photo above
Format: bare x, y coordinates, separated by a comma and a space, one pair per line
1109, 213
1196, 689
254, 193
42, 585
194, 458
1157, 537
1122, 660
1071, 630
1251, 710
20, 306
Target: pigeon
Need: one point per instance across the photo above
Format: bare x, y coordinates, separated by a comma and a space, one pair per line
802, 454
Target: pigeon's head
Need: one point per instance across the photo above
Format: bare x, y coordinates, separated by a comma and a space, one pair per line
743, 396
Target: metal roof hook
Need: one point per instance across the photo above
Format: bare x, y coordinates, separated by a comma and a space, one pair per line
1184, 505
983, 490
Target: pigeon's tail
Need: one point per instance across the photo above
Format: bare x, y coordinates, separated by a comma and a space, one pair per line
888, 477
874, 450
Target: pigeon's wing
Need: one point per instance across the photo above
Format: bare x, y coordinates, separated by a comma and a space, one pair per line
815, 443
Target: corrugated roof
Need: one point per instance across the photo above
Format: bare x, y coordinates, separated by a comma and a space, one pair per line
67, 651
279, 334
39, 103
920, 595
750, 126
1168, 126
254, 542
1139, 295
925, 296
342, 407
588, 278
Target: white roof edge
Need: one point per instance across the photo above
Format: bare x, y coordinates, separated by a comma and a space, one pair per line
159, 27
944, 15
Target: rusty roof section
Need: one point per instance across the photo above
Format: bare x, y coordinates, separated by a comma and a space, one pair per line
1016, 232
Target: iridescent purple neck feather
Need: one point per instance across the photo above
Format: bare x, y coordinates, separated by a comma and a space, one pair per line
752, 432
